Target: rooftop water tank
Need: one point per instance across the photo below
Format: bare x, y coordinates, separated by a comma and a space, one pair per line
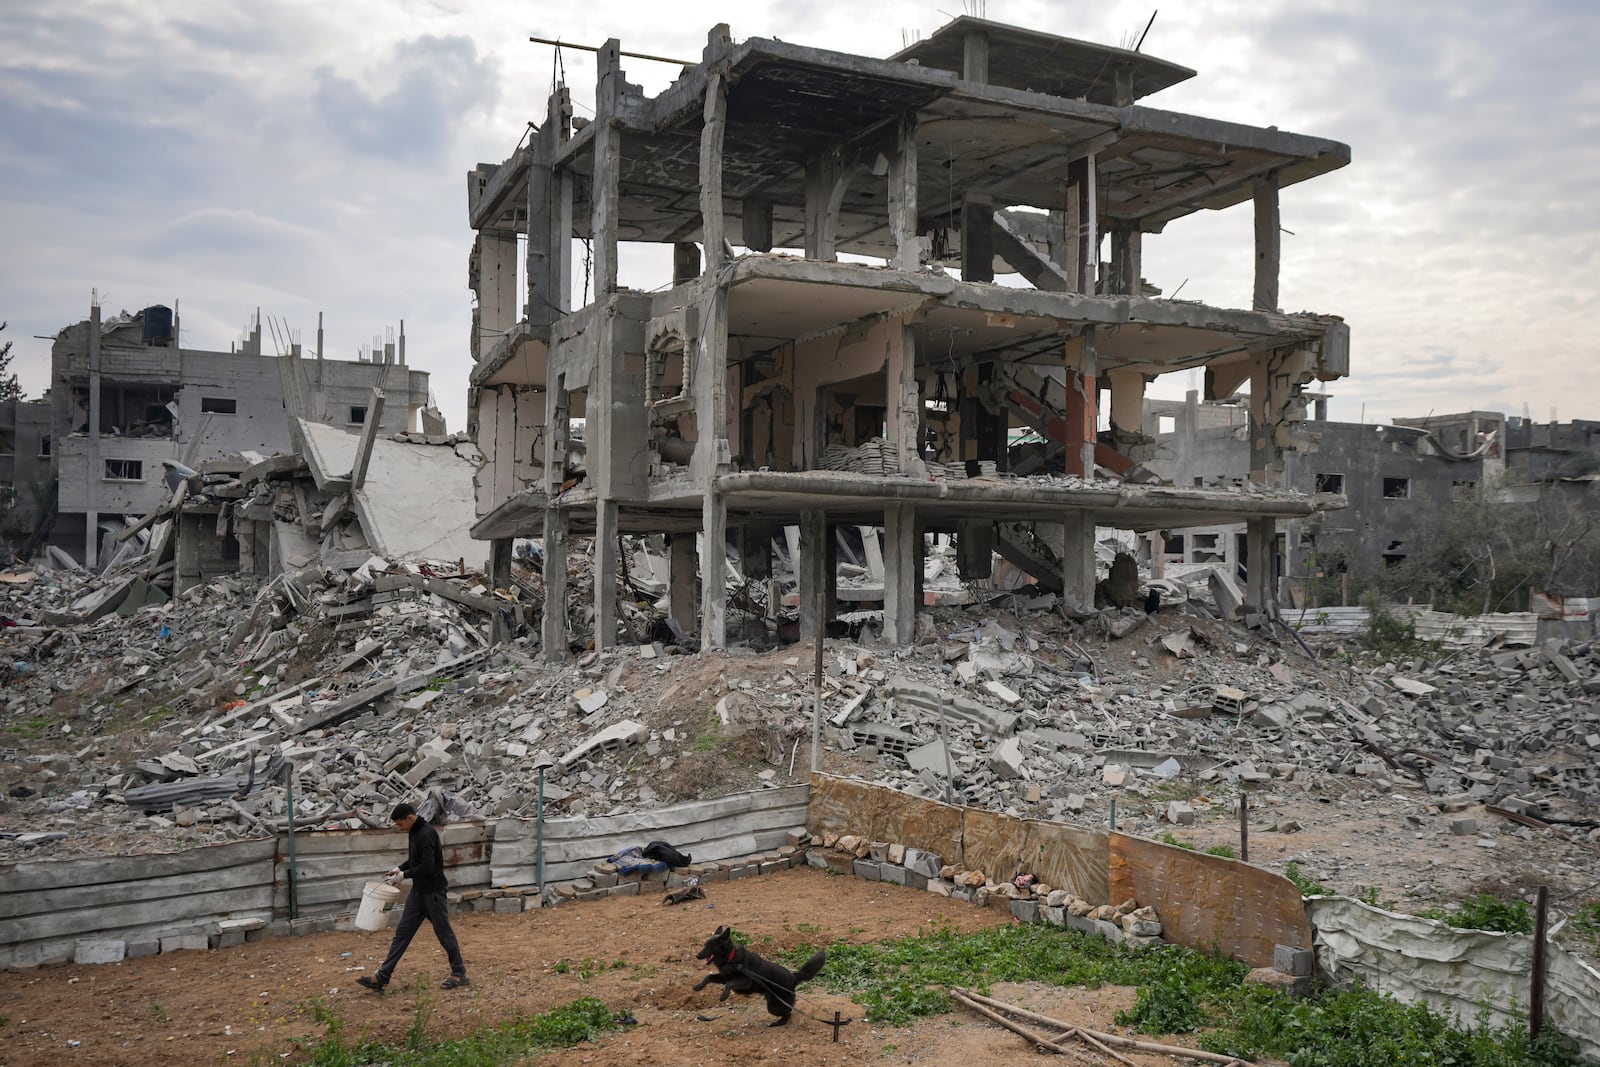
157, 325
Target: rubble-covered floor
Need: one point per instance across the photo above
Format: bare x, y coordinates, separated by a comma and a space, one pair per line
382, 686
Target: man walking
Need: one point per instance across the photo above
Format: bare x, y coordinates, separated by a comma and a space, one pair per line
424, 865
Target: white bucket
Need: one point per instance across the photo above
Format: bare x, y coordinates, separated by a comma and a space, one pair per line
376, 899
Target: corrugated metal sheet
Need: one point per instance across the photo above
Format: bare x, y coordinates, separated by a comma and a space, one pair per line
1517, 628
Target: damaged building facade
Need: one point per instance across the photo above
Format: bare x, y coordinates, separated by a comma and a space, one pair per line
127, 402
1389, 475
772, 385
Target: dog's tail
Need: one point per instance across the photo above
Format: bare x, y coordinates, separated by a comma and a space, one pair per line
812, 968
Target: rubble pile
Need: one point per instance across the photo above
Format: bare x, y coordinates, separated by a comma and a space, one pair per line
169, 724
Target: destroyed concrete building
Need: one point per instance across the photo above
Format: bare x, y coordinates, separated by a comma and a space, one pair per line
1388, 474
128, 403
24, 465
757, 389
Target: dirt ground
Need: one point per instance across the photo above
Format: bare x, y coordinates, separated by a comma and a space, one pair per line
250, 1004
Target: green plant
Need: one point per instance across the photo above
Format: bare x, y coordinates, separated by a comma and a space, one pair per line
1222, 850
1486, 912
157, 1010
511, 1042
1168, 839
1167, 1007
1309, 887
561, 967
1586, 921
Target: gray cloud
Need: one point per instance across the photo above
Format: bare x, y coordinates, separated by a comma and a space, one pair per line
440, 79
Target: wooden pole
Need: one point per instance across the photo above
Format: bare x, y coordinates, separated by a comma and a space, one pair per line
1541, 919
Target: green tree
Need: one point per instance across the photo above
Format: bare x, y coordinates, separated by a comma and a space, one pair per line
1489, 549
9, 389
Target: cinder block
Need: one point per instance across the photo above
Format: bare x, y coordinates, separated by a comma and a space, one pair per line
743, 871
1108, 930
1025, 910
99, 950
878, 851
923, 862
868, 869
817, 859
275, 928
138, 950
507, 905
229, 938
1296, 962
1079, 923
917, 881
622, 889
1054, 916
892, 872
774, 866
481, 903
1463, 827
195, 941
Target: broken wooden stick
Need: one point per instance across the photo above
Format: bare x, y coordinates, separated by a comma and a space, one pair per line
975, 1000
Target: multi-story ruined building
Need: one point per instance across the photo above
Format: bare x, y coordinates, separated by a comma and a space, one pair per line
24, 465
126, 397
726, 399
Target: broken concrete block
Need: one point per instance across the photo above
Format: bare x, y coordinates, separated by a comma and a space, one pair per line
1180, 643
1180, 814
1412, 687
1463, 827
1230, 701
1114, 775
867, 869
189, 942
99, 950
930, 757
613, 738
1006, 760
1004, 693
1297, 962
924, 863
591, 700
1225, 591
1274, 716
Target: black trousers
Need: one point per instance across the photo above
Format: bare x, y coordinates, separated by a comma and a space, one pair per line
434, 907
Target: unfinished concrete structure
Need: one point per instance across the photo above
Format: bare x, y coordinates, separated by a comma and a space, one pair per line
25, 445
126, 397
717, 403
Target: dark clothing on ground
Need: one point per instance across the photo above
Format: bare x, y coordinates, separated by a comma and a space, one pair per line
423, 904
425, 863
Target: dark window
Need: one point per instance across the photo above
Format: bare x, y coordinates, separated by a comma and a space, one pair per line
219, 405
1174, 545
1462, 490
44, 446
125, 470
358, 414
1330, 483
1397, 488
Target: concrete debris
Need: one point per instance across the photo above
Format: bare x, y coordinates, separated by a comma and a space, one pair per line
1055, 719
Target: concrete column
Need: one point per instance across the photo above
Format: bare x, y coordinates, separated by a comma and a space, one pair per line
1268, 243
905, 406
1126, 254
975, 57
549, 246
500, 563
812, 567
1261, 536
554, 622
1082, 220
91, 534
682, 571
903, 196
605, 574
899, 574
822, 174
1077, 557
975, 549
1082, 402
685, 262
756, 224
607, 168
713, 572
755, 551
712, 221
1127, 399
1261, 449
94, 468
977, 239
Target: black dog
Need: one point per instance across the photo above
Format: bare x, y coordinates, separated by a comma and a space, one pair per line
742, 971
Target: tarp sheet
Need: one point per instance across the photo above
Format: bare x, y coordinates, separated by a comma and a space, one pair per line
1459, 972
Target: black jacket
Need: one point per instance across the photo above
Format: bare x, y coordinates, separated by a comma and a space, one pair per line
425, 864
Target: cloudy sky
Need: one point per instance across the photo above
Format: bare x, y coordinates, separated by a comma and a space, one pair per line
303, 157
